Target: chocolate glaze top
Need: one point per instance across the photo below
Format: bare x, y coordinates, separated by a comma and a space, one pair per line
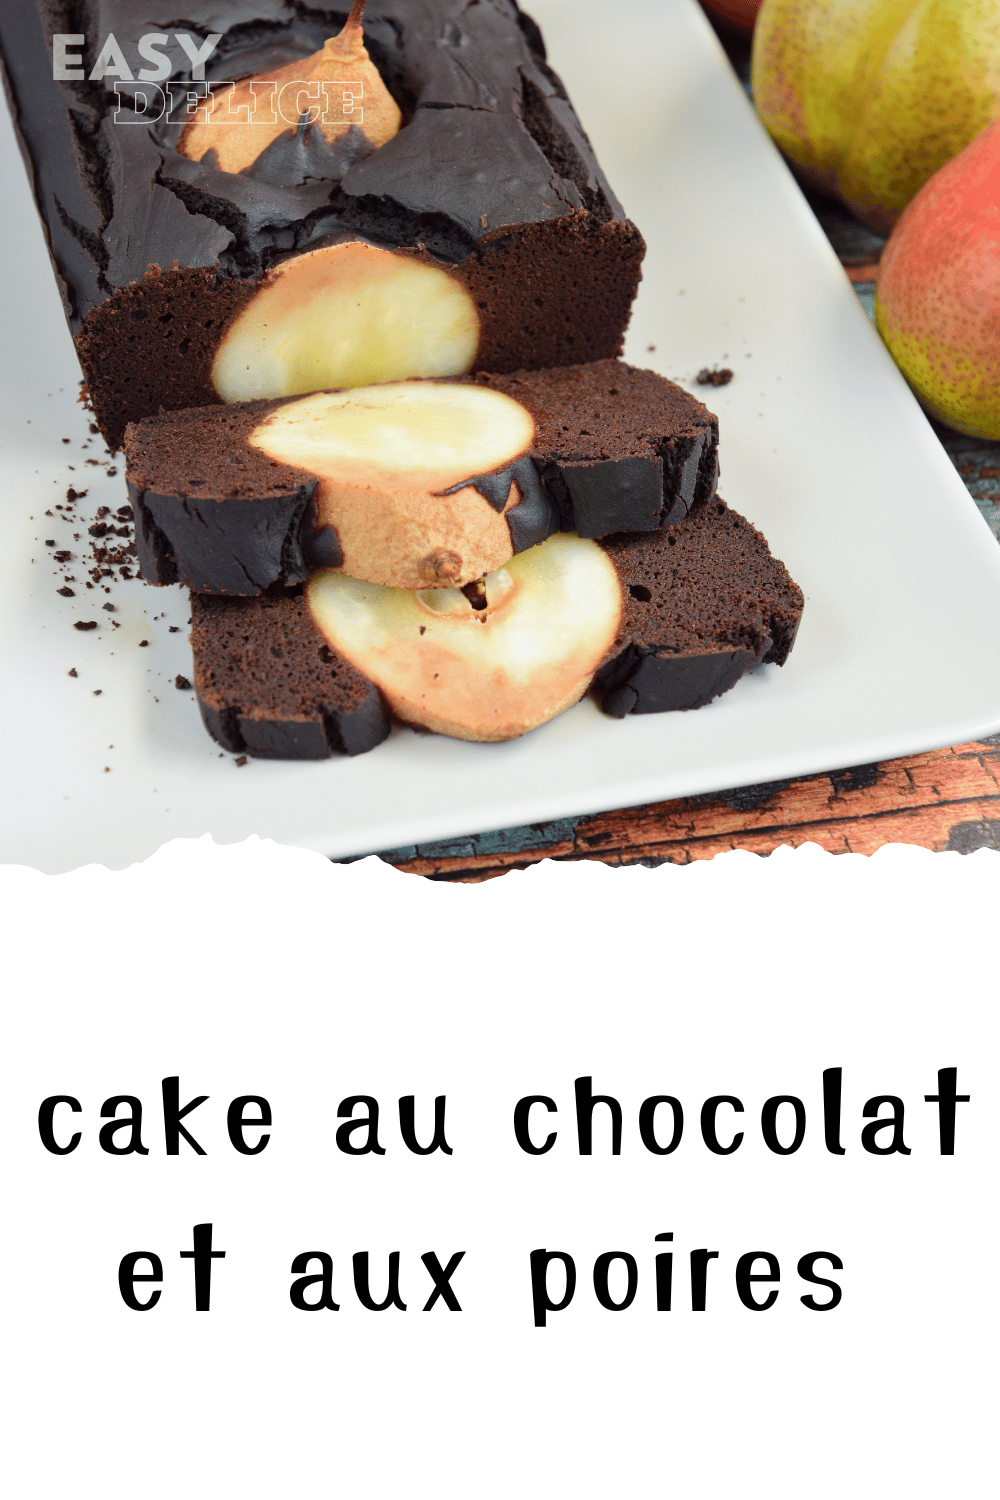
489, 140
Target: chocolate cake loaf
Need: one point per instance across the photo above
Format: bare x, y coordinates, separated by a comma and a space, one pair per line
671, 618
256, 200
612, 449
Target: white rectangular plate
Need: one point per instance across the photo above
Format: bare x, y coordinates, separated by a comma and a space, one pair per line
823, 448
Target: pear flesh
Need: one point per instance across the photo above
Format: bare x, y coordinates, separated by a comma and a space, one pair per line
552, 615
336, 88
387, 457
345, 315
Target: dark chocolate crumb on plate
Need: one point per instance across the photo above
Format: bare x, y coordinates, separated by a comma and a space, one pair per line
241, 760
182, 684
72, 672
714, 377
84, 624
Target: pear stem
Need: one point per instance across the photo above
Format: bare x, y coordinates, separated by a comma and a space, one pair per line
353, 22
350, 41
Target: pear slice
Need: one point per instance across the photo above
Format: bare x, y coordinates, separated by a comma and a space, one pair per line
337, 86
345, 315
552, 615
394, 464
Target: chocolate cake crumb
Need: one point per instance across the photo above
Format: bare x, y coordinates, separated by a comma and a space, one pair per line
241, 760
714, 377
314, 706
84, 624
66, 593
97, 692
72, 672
109, 607
143, 643
702, 605
181, 683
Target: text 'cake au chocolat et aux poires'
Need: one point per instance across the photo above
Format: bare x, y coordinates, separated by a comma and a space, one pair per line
351, 289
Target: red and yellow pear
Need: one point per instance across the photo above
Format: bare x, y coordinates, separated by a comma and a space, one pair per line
938, 295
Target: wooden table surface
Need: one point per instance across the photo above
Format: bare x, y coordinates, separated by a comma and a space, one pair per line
945, 799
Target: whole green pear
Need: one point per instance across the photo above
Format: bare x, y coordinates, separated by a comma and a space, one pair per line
870, 97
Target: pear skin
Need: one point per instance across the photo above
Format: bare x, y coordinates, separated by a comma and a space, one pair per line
812, 62
238, 141
938, 295
937, 89
870, 97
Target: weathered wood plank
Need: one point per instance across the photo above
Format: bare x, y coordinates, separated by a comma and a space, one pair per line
944, 799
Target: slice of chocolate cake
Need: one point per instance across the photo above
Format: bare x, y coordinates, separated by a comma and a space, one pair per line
269, 685
240, 499
702, 605
669, 620
619, 449
203, 257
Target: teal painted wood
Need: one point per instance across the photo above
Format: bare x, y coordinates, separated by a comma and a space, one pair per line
498, 841
978, 462
976, 459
